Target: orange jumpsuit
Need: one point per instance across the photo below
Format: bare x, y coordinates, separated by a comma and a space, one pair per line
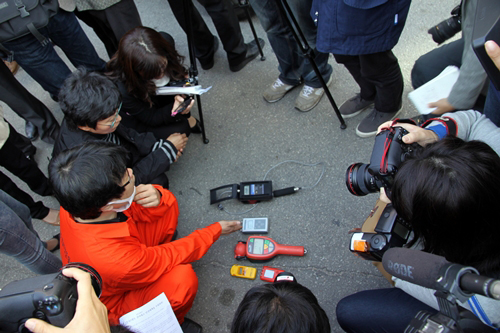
136, 259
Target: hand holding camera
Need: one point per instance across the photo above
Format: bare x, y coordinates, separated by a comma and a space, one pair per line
91, 314
415, 134
51, 298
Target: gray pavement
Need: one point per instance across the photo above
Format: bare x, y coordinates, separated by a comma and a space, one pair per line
247, 137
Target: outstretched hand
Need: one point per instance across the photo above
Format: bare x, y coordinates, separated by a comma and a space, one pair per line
229, 227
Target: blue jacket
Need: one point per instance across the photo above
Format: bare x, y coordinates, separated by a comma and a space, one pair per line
355, 27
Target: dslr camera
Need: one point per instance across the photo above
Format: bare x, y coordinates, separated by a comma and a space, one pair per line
447, 28
388, 153
383, 228
51, 298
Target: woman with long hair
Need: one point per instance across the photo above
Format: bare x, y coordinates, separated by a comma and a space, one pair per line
145, 60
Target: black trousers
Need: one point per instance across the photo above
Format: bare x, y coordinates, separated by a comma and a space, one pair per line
225, 21
27, 106
434, 62
13, 159
112, 23
379, 77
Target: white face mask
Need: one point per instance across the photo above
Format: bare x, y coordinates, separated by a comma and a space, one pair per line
128, 202
161, 82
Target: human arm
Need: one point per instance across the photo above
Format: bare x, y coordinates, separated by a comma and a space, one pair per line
90, 316
149, 157
151, 115
472, 77
467, 125
148, 264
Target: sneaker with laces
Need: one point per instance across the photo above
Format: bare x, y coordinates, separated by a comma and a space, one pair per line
354, 106
277, 91
309, 97
368, 126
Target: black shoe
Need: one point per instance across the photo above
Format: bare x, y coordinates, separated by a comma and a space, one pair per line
189, 326
208, 62
58, 237
31, 131
252, 53
196, 129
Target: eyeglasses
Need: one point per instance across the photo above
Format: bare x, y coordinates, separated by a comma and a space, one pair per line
129, 180
116, 116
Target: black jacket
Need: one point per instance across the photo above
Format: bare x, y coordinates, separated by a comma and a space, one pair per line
148, 157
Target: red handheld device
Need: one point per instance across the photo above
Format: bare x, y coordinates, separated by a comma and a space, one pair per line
269, 273
261, 248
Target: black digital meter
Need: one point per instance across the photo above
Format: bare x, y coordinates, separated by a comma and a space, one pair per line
247, 192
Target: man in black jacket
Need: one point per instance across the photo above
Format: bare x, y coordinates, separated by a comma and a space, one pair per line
91, 104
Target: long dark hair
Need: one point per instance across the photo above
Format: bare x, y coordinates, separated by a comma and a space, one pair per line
144, 54
449, 192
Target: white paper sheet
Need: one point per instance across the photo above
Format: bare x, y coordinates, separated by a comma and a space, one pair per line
191, 90
434, 90
156, 316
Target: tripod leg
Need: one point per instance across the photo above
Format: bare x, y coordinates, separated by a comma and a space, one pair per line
193, 70
247, 13
202, 123
287, 13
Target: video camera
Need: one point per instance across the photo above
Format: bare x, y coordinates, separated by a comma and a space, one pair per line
51, 298
454, 284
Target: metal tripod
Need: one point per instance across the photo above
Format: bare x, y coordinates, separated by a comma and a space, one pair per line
287, 14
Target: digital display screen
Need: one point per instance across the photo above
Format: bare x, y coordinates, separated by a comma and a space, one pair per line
269, 274
258, 247
401, 230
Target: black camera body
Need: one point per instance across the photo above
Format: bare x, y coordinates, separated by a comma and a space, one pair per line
448, 28
51, 298
390, 231
388, 153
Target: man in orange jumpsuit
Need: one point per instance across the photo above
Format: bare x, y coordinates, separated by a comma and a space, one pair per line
125, 231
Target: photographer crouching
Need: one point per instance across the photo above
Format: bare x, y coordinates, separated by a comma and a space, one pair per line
447, 192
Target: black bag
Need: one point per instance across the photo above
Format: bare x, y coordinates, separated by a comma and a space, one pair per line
21, 17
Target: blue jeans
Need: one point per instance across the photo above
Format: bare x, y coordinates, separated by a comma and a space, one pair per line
492, 105
292, 64
19, 239
42, 62
380, 310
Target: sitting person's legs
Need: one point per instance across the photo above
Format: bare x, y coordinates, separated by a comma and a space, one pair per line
379, 310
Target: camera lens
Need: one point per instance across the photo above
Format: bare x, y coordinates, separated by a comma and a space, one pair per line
96, 278
359, 181
446, 29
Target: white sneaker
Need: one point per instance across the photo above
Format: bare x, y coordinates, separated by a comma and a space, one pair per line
309, 97
277, 91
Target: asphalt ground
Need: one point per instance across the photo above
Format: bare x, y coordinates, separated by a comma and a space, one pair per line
247, 137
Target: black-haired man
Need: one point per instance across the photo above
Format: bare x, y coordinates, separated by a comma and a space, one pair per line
91, 103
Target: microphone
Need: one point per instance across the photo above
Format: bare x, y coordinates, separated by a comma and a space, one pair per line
435, 272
